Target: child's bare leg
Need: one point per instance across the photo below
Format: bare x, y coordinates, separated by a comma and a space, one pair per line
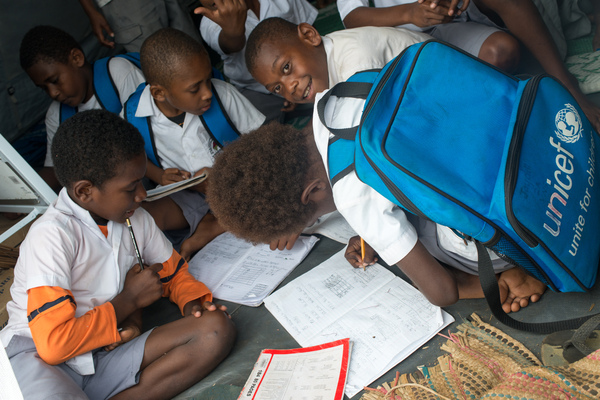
181, 353
207, 230
166, 213
517, 289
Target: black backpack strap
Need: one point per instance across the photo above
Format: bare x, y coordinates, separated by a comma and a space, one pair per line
489, 284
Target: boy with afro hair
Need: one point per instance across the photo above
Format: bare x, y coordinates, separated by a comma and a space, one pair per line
170, 109
274, 181
75, 328
55, 62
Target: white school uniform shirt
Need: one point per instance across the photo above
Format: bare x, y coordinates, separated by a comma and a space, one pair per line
66, 248
190, 147
126, 78
381, 223
352, 50
346, 6
234, 65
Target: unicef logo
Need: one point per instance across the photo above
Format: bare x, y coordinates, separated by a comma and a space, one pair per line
568, 124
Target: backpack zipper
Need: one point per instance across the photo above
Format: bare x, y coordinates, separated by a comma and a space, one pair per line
514, 153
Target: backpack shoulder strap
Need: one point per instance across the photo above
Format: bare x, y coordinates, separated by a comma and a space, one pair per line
217, 122
66, 112
357, 86
104, 85
340, 158
142, 124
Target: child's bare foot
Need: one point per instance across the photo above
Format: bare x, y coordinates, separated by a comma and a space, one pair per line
208, 229
517, 289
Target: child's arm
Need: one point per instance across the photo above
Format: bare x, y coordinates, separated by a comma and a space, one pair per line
230, 15
98, 22
180, 286
419, 14
165, 176
59, 335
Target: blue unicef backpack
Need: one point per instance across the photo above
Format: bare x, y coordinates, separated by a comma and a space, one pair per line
104, 86
508, 163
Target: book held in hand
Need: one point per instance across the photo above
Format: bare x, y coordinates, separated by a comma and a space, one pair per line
163, 191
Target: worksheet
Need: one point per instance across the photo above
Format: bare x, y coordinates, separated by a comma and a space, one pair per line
333, 226
238, 271
385, 318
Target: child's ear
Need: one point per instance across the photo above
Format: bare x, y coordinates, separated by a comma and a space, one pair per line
77, 58
158, 92
308, 34
82, 190
313, 192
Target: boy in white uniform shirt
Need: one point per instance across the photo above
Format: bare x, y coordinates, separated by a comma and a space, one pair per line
226, 26
55, 62
179, 89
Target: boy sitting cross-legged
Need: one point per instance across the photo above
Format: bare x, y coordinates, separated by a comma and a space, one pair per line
55, 62
274, 182
74, 327
185, 117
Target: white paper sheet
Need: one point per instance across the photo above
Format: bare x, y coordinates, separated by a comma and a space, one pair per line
236, 271
385, 317
333, 226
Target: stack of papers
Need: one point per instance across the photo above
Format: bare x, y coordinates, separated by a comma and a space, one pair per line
163, 191
240, 272
385, 318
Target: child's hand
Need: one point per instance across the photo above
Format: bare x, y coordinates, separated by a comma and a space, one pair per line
230, 15
284, 242
353, 254
201, 187
128, 332
172, 175
423, 15
143, 287
452, 5
195, 308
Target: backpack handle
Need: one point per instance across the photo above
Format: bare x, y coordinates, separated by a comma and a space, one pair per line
357, 90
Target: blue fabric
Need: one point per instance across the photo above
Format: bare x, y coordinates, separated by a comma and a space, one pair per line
104, 87
483, 157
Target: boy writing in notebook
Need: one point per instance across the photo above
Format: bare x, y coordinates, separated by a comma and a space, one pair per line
55, 62
171, 111
296, 62
74, 328
262, 198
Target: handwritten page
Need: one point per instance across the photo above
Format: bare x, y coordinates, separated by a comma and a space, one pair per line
333, 226
385, 317
317, 372
237, 271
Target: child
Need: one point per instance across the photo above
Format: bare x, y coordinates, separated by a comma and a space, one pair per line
489, 29
296, 62
226, 27
55, 62
273, 182
179, 91
74, 328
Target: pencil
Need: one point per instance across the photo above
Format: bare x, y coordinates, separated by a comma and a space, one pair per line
135, 246
362, 252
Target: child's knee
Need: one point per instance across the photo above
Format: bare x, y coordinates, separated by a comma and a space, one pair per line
501, 50
216, 333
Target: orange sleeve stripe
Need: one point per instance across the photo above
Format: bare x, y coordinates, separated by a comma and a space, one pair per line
58, 335
179, 285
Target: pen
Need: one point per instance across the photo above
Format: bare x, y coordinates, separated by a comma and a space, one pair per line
362, 252
135, 246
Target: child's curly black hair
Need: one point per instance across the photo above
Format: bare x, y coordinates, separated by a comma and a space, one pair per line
92, 145
48, 44
166, 50
256, 184
268, 30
